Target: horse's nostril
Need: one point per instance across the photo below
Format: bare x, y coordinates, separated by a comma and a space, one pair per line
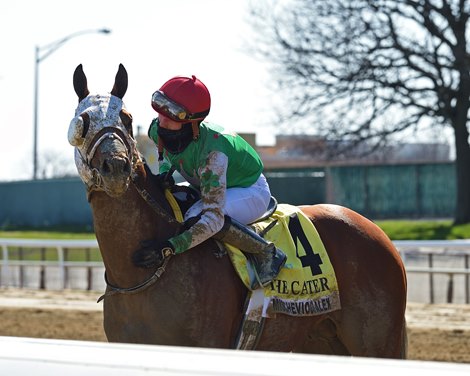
127, 167
116, 166
105, 168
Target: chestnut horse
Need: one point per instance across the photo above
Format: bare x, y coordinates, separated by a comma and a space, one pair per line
199, 299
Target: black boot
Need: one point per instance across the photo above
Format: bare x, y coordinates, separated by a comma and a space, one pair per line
267, 265
268, 259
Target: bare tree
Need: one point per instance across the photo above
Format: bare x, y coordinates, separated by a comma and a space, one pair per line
366, 70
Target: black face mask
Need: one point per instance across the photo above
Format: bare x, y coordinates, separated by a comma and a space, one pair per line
176, 141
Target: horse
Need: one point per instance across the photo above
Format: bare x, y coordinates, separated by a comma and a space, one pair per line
197, 299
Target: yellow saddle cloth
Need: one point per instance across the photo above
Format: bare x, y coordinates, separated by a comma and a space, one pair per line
306, 285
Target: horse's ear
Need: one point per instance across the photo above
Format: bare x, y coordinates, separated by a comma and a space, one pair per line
120, 82
80, 83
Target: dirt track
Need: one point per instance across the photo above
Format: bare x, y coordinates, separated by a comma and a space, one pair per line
435, 332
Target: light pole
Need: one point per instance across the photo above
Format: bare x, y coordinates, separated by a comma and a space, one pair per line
40, 54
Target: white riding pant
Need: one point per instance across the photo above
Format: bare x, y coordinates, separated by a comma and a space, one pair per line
242, 204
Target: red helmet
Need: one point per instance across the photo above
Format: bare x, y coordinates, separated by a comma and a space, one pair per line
182, 99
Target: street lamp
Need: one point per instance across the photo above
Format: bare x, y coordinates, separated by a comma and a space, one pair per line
40, 54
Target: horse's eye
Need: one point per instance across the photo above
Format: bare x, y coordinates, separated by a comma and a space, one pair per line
78, 129
126, 119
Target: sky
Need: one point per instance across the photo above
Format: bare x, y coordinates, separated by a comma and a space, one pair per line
154, 40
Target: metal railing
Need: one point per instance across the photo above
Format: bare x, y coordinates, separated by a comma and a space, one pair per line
430, 253
60, 251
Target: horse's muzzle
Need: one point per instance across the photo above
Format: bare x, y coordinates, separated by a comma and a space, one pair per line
114, 166
115, 175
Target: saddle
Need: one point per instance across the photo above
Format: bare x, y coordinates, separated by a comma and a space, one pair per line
186, 196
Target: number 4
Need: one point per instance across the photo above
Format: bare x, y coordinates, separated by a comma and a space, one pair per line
311, 259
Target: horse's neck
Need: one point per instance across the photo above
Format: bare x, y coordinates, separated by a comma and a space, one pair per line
121, 224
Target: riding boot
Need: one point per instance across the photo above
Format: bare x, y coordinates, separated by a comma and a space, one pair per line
267, 258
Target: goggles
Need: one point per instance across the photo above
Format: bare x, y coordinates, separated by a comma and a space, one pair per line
165, 106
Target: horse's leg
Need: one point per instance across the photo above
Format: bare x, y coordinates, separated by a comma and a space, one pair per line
342, 333
311, 335
367, 333
323, 339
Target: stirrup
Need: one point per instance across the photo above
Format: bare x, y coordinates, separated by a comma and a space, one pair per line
267, 270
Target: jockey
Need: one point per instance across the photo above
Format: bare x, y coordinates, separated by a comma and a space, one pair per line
222, 166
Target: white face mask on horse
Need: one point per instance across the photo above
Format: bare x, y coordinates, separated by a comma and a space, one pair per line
99, 118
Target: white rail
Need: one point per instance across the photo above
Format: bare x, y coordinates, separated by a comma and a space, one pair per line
62, 264
432, 248
460, 244
28, 356
434, 252
409, 249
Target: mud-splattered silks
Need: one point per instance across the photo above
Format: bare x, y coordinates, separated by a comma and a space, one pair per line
214, 163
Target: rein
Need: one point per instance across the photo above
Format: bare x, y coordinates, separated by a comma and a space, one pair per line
94, 182
113, 290
108, 124
157, 208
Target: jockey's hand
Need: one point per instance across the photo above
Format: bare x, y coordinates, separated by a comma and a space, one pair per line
152, 254
165, 180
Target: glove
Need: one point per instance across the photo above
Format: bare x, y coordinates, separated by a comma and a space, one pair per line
152, 254
165, 180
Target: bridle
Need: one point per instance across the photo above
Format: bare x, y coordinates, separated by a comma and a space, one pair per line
94, 182
91, 176
97, 118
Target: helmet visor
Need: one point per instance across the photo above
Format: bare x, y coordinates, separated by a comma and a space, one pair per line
165, 106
